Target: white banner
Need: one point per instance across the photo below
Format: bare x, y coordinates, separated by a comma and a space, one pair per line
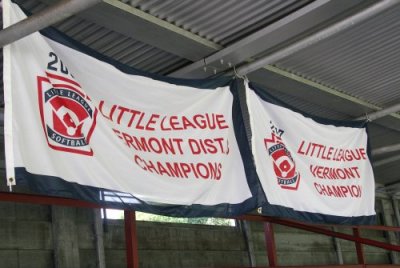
74, 117
308, 166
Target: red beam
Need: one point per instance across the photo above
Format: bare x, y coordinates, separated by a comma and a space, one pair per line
369, 227
338, 266
320, 230
327, 266
270, 244
46, 200
360, 253
51, 200
132, 260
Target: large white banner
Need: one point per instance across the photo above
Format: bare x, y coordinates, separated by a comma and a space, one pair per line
74, 117
309, 166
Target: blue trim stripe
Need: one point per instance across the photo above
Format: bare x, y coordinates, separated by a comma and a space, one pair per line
264, 95
57, 187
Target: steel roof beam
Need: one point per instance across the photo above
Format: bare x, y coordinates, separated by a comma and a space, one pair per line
382, 113
386, 161
43, 19
141, 26
318, 36
386, 149
267, 38
322, 35
372, 112
120, 17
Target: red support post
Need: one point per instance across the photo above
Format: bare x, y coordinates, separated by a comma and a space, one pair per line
322, 230
270, 244
360, 253
131, 243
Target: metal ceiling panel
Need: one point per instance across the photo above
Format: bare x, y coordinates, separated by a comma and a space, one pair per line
363, 61
381, 137
308, 107
220, 21
121, 48
389, 173
114, 45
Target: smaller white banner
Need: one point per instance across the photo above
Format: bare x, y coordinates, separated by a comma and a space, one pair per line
308, 166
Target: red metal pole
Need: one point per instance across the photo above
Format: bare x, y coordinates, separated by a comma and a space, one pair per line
132, 260
270, 244
359, 248
321, 230
46, 200
251, 217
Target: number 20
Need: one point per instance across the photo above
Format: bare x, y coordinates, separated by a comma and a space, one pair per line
55, 63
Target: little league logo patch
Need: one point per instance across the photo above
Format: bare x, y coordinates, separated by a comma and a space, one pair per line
284, 165
67, 115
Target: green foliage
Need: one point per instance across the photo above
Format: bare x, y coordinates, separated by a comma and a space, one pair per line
140, 216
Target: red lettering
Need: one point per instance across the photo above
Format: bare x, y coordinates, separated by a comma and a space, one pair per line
128, 140
194, 146
328, 156
186, 123
210, 146
344, 190
173, 120
186, 169
138, 126
199, 121
118, 133
140, 162
110, 114
122, 111
221, 121
134, 113
163, 128
299, 151
362, 152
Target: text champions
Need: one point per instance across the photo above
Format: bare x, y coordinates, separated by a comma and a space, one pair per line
330, 177
145, 145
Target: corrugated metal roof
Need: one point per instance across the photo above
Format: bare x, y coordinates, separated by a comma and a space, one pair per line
114, 45
388, 173
381, 136
221, 21
308, 107
121, 48
363, 61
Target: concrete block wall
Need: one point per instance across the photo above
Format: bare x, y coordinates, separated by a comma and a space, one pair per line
373, 255
43, 236
297, 247
294, 247
26, 239
163, 244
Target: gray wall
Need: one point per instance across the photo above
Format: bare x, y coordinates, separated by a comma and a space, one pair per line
43, 236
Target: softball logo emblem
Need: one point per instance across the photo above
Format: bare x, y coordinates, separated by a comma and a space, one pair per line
283, 163
67, 115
